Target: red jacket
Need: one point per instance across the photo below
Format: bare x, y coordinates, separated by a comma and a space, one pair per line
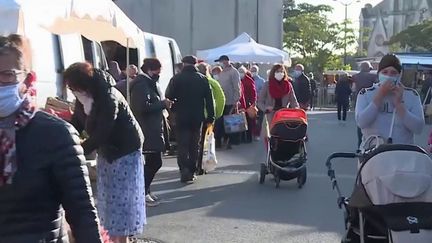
248, 91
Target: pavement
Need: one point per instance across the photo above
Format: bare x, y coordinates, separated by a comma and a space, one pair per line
229, 205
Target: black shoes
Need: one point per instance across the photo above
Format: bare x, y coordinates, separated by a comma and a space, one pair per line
187, 177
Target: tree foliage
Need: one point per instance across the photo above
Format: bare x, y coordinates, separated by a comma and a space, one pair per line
418, 37
309, 33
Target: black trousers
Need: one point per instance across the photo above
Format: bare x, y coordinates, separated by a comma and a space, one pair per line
153, 162
342, 106
188, 143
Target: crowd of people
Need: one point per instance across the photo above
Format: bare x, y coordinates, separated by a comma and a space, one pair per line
42, 181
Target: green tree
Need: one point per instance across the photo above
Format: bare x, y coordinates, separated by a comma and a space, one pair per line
417, 37
311, 34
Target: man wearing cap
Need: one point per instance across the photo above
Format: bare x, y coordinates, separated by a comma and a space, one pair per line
190, 91
229, 80
363, 80
376, 105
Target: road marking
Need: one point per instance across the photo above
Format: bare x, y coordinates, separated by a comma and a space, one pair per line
252, 172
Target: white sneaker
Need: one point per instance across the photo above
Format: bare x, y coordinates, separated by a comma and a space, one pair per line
150, 202
153, 196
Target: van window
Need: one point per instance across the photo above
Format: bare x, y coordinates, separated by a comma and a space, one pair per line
116, 52
71, 48
88, 49
100, 57
149, 46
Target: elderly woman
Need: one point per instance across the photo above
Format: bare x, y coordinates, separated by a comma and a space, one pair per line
41, 165
249, 95
115, 134
376, 105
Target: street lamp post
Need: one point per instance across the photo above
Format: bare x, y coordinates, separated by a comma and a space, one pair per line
345, 25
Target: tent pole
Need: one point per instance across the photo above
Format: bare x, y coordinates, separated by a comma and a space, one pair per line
127, 76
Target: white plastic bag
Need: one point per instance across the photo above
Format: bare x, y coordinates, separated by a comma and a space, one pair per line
209, 161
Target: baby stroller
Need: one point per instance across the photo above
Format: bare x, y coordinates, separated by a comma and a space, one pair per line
286, 150
392, 196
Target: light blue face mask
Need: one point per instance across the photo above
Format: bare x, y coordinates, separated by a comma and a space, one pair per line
10, 99
297, 73
384, 78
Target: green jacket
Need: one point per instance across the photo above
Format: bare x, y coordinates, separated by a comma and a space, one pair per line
218, 97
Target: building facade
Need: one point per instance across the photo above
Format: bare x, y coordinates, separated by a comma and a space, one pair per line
204, 24
378, 24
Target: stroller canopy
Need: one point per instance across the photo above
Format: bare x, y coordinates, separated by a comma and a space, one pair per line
289, 124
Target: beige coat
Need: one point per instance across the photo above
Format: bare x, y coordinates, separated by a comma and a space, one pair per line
265, 100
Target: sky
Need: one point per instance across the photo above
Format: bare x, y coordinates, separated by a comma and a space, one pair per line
338, 14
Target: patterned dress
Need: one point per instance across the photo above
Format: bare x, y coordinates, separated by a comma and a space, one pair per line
120, 194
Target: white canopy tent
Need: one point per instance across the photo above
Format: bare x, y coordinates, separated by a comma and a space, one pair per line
97, 20
247, 50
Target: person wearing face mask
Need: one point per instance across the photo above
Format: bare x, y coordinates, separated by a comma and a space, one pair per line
216, 72
116, 136
302, 87
218, 102
148, 105
250, 98
259, 84
42, 169
375, 105
277, 93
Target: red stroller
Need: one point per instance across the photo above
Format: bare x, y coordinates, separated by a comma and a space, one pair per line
286, 150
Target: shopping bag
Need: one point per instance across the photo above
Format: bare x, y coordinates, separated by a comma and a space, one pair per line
252, 111
209, 161
235, 123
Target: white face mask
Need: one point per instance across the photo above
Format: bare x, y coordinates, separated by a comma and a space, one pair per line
279, 76
254, 73
216, 76
242, 75
85, 100
10, 99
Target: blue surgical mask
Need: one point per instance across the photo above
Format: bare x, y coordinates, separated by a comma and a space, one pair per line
10, 99
384, 78
297, 73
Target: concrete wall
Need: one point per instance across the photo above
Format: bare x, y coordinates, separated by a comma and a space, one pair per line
203, 24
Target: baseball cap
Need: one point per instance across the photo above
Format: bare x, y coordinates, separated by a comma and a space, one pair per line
190, 60
222, 58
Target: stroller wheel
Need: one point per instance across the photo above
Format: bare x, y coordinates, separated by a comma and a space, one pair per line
263, 172
301, 180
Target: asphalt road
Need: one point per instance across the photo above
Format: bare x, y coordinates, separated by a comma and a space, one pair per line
229, 205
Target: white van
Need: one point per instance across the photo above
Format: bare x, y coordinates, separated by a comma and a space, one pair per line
51, 54
154, 46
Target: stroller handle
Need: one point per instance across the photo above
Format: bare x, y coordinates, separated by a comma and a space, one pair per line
340, 155
331, 173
